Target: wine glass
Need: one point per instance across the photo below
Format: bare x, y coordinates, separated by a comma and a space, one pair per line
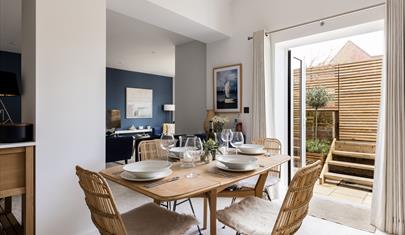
194, 148
237, 140
167, 142
226, 136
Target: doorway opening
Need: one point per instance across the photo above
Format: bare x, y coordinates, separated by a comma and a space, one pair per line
334, 103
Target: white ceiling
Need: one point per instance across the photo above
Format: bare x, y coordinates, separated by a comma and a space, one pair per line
131, 44
138, 46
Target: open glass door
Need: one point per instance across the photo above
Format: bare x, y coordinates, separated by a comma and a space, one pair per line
297, 111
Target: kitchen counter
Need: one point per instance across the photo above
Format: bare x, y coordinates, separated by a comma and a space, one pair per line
16, 145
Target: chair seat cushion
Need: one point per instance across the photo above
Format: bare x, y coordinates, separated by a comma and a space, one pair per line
252, 216
251, 182
152, 219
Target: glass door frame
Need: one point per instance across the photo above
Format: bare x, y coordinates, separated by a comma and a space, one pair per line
303, 118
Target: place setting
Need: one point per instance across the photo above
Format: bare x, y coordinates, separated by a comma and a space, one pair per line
236, 162
147, 170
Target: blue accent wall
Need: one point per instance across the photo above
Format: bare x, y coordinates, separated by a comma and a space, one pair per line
117, 82
11, 62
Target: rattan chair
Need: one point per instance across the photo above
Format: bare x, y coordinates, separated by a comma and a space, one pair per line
256, 216
151, 150
271, 146
144, 220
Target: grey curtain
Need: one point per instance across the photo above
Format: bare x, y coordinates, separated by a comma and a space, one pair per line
388, 207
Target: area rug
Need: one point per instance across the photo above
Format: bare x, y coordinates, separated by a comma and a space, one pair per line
345, 213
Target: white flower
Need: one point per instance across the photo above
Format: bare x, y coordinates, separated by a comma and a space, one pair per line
219, 119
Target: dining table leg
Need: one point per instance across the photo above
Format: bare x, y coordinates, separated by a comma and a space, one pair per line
212, 199
157, 202
205, 213
260, 184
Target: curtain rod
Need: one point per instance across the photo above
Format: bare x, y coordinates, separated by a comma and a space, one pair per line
320, 20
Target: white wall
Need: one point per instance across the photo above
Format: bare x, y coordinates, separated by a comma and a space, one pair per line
253, 15
190, 87
70, 108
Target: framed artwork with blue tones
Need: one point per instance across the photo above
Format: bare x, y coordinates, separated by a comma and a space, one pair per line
228, 89
139, 103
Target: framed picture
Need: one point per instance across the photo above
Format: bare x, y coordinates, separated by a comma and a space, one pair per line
139, 103
228, 89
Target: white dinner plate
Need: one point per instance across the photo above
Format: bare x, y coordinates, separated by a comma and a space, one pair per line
236, 161
148, 168
251, 148
131, 177
251, 167
253, 154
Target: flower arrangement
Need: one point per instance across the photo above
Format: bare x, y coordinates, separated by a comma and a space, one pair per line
210, 148
218, 123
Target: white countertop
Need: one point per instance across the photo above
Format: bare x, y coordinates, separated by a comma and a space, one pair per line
134, 131
16, 145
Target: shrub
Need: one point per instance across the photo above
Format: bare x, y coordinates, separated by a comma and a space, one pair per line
318, 146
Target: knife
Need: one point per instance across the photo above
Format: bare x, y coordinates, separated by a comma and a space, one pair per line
151, 185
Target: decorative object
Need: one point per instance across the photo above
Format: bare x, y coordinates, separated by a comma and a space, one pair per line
139, 103
10, 131
210, 150
219, 123
210, 115
8, 87
169, 108
169, 128
113, 119
228, 89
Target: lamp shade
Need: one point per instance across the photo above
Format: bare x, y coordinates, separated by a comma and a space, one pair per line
169, 107
9, 85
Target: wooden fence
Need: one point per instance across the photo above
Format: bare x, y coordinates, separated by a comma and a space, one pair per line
356, 89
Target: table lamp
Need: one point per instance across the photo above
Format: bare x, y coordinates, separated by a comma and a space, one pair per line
169, 108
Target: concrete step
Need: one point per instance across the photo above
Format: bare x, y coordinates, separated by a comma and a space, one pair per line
350, 179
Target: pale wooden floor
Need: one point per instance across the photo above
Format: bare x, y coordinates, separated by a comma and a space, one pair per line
127, 199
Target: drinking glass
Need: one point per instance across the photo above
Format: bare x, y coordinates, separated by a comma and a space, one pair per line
237, 140
226, 136
193, 151
167, 142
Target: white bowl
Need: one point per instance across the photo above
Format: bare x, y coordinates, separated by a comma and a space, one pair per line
236, 161
147, 168
251, 148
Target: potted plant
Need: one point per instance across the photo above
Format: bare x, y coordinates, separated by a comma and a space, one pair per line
317, 97
317, 149
210, 150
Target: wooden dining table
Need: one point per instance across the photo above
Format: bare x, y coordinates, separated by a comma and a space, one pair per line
208, 183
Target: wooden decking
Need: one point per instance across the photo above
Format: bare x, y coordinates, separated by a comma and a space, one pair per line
350, 162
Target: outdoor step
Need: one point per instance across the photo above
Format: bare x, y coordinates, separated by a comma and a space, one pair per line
370, 156
351, 165
349, 178
355, 146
